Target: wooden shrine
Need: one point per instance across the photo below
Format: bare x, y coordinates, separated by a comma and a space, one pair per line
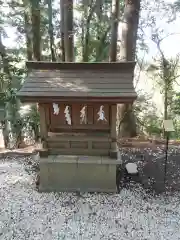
78, 112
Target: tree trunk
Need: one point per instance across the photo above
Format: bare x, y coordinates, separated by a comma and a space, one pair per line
127, 127
114, 31
99, 9
91, 8
51, 32
127, 122
28, 31
68, 31
166, 101
165, 106
35, 8
166, 87
99, 14
36, 33
129, 30
62, 2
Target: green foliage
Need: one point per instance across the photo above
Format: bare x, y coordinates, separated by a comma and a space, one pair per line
153, 125
148, 121
97, 29
176, 104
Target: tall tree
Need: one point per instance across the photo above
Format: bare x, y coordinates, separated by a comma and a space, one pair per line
36, 33
35, 9
114, 30
127, 125
130, 29
68, 31
166, 74
62, 2
28, 30
89, 10
51, 32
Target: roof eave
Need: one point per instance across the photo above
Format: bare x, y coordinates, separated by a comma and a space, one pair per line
43, 65
50, 99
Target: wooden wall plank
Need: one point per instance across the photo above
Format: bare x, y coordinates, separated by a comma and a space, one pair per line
113, 127
57, 120
54, 119
43, 124
75, 114
47, 111
62, 119
90, 114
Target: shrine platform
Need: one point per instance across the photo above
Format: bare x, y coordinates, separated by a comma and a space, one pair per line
70, 173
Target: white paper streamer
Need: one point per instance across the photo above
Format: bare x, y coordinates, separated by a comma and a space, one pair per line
67, 115
83, 115
101, 114
56, 108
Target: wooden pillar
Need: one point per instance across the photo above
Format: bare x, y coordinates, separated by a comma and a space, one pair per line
43, 125
113, 119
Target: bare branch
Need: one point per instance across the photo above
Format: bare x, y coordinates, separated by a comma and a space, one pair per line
140, 69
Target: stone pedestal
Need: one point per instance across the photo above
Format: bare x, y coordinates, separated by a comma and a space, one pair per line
78, 173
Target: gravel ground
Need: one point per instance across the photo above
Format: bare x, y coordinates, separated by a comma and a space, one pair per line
132, 214
151, 165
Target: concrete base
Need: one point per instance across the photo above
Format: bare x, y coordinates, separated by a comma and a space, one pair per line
78, 173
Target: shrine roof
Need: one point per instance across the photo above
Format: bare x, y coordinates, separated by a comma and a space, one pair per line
105, 81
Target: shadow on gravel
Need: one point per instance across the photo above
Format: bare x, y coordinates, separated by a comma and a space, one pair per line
151, 170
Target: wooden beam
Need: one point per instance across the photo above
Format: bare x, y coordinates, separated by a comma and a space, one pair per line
113, 134
118, 66
84, 100
83, 127
78, 138
43, 125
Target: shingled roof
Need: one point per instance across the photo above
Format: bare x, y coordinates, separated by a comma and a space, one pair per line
47, 81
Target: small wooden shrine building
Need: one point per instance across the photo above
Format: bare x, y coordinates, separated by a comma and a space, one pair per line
78, 112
